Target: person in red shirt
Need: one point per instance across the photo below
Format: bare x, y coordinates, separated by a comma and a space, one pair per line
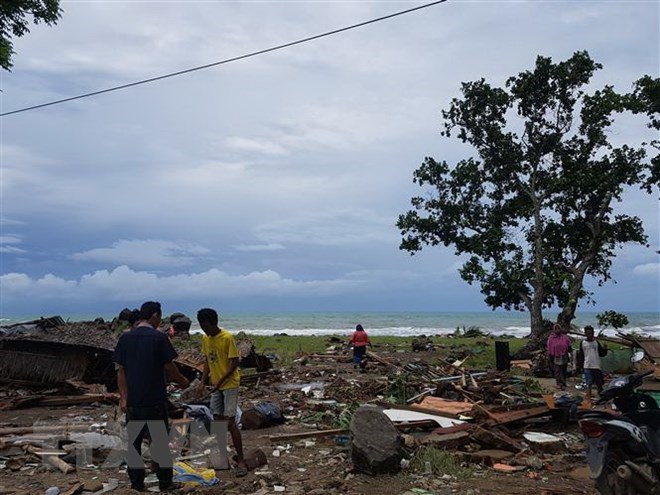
360, 340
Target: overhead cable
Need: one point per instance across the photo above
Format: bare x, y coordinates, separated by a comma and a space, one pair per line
226, 61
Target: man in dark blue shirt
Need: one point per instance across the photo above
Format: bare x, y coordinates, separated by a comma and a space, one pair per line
144, 355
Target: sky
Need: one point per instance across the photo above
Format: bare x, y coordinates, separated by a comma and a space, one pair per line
271, 184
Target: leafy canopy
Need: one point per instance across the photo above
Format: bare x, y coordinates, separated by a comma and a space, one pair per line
13, 22
534, 209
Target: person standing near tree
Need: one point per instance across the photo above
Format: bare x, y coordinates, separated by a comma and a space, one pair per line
588, 359
143, 357
558, 347
221, 366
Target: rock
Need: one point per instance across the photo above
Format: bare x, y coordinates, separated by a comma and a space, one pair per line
93, 486
53, 490
580, 473
534, 462
377, 446
408, 440
255, 458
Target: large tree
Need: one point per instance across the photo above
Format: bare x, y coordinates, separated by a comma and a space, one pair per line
534, 209
13, 22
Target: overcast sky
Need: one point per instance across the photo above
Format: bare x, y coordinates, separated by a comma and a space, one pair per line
273, 183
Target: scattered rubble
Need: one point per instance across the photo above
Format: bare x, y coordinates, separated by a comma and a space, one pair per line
311, 427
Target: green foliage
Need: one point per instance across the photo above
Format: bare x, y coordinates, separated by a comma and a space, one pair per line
343, 420
612, 319
13, 22
534, 209
399, 390
531, 386
473, 332
441, 462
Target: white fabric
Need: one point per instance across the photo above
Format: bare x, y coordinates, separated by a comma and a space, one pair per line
591, 357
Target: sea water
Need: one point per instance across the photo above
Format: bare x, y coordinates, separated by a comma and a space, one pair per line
396, 324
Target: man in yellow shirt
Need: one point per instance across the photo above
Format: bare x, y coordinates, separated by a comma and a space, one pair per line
221, 365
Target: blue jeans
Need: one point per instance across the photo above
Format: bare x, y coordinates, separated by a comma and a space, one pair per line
594, 376
358, 353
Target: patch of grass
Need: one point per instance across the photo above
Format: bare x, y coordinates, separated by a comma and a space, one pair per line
441, 462
288, 347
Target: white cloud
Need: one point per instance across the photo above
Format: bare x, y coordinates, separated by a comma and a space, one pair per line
124, 283
259, 247
9, 221
338, 227
648, 269
144, 253
254, 145
7, 244
10, 239
11, 250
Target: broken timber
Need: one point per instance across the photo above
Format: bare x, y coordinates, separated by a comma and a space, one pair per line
343, 431
65, 467
502, 418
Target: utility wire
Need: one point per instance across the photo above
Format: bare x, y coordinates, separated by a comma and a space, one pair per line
226, 61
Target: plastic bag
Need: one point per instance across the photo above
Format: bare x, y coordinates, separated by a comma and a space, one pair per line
184, 473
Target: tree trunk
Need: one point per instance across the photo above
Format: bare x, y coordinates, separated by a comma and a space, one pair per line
538, 334
567, 314
536, 320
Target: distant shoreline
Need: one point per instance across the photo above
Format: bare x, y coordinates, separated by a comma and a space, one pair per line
402, 324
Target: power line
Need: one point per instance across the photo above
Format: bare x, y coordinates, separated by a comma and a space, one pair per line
226, 61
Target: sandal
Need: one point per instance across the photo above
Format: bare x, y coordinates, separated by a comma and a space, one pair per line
241, 471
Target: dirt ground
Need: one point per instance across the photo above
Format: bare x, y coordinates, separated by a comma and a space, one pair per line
315, 466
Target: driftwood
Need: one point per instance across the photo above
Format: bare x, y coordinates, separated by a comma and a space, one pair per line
65, 467
26, 430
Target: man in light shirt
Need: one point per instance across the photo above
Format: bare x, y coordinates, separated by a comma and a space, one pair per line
589, 355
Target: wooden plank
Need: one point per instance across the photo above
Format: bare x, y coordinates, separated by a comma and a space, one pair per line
342, 431
524, 364
50, 452
445, 406
454, 429
307, 434
26, 430
65, 467
448, 441
423, 424
381, 360
495, 440
651, 348
432, 412
72, 400
502, 418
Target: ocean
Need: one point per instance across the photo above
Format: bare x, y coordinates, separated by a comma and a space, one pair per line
400, 324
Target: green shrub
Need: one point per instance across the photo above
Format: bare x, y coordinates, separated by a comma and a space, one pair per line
441, 462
